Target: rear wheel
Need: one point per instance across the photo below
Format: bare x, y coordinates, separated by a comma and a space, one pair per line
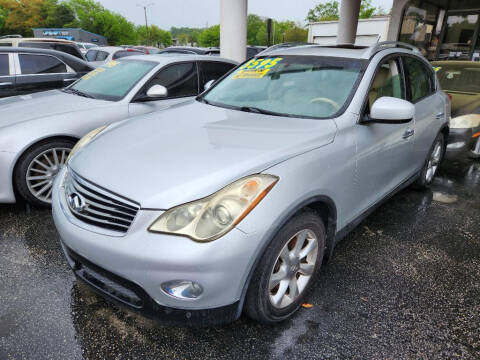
36, 170
286, 270
433, 162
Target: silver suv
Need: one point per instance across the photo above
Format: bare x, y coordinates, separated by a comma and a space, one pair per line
232, 201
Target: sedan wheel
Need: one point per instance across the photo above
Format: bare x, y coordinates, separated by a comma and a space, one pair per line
36, 169
42, 171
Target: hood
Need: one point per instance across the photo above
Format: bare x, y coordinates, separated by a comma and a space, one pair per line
464, 103
17, 109
192, 150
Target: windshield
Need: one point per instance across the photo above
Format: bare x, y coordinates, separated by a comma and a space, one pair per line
464, 78
114, 80
300, 86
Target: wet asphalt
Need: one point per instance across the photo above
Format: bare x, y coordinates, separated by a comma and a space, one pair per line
405, 284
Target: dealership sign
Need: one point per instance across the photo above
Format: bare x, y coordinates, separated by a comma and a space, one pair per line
55, 33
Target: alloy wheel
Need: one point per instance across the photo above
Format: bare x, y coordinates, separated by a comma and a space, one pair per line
434, 162
42, 171
293, 269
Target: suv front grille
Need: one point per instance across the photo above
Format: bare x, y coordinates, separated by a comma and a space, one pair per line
96, 206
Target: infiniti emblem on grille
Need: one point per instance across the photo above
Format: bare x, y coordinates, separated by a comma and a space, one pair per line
77, 202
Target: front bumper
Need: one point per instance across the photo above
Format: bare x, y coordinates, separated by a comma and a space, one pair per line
460, 143
145, 260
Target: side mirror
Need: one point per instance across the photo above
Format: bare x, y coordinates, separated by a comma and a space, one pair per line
157, 91
208, 84
390, 110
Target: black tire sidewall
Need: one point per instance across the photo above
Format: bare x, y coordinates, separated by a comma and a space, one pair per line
20, 172
258, 302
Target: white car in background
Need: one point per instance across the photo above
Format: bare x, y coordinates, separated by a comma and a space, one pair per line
84, 47
101, 55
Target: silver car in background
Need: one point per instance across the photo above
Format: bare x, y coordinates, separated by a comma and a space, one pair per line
232, 201
101, 55
38, 131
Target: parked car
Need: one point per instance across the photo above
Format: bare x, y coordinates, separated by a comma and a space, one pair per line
149, 50
104, 54
461, 80
25, 71
66, 46
190, 50
38, 131
254, 50
231, 202
84, 47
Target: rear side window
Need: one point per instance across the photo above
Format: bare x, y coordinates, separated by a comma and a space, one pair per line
179, 79
91, 55
69, 49
125, 53
6, 44
420, 77
41, 64
212, 70
4, 66
101, 56
36, 45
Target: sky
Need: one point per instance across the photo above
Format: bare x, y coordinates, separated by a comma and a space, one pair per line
200, 13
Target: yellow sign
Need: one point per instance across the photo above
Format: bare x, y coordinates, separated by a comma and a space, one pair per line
256, 68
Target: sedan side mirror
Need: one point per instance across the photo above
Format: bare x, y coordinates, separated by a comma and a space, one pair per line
208, 84
157, 91
390, 110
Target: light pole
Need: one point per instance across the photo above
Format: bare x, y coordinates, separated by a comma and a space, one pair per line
146, 22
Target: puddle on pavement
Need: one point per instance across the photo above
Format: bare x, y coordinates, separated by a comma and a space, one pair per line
444, 198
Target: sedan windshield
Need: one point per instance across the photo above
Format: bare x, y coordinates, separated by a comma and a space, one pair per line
299, 86
112, 81
463, 77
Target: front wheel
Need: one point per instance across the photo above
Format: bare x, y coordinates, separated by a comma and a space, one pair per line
475, 153
433, 162
286, 271
36, 170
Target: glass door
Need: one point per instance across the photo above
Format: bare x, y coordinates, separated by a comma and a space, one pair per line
460, 37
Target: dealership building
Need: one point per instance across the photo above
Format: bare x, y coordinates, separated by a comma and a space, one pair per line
73, 34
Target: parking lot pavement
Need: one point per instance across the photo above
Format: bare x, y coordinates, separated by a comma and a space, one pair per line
404, 284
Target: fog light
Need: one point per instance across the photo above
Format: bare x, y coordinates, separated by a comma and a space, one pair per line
182, 289
456, 145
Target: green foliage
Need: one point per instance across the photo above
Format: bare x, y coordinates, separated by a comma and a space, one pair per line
188, 35
324, 12
296, 34
210, 37
58, 14
330, 11
155, 36
254, 24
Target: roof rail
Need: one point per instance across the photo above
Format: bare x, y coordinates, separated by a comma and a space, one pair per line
15, 36
375, 48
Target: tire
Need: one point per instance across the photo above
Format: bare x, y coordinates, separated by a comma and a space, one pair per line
39, 164
435, 157
260, 297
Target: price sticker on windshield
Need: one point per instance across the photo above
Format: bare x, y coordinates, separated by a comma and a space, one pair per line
93, 73
256, 68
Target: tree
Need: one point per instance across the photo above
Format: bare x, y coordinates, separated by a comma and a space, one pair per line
58, 15
22, 15
296, 34
192, 33
324, 12
155, 36
183, 39
254, 23
210, 37
330, 11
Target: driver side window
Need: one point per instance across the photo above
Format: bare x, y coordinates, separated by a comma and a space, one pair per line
387, 82
179, 79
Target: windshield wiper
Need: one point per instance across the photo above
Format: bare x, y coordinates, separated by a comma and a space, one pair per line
203, 100
78, 92
254, 109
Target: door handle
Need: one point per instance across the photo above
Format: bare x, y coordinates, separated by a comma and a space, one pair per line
440, 115
408, 133
5, 83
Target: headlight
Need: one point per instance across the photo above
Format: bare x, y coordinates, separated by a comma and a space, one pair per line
85, 140
465, 121
209, 218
